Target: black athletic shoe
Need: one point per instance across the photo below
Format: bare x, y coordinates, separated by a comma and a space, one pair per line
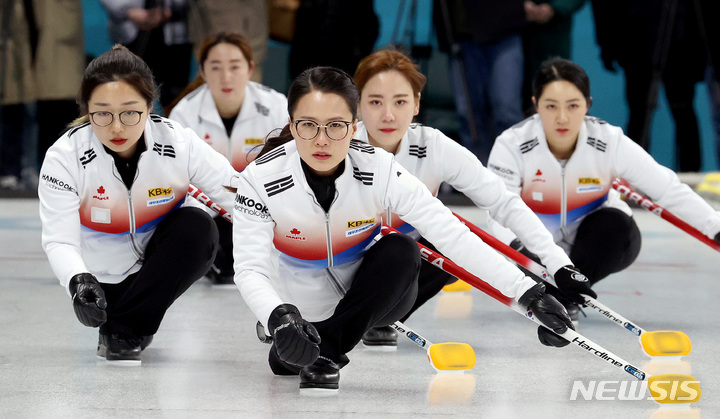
574, 311
324, 374
280, 367
121, 348
146, 341
221, 278
380, 336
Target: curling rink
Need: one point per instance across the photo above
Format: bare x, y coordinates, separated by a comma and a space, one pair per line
206, 361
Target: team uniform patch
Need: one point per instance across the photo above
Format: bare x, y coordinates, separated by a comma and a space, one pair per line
589, 188
100, 215
358, 230
352, 224
159, 196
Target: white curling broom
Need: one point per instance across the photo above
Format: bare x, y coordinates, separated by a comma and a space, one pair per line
664, 388
653, 343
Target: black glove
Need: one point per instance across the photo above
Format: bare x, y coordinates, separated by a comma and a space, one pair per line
717, 238
296, 340
571, 282
550, 312
88, 299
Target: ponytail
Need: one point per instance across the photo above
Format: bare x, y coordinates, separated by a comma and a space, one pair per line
285, 136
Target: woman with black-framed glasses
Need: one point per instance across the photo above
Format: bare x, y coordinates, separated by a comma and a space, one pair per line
318, 196
111, 191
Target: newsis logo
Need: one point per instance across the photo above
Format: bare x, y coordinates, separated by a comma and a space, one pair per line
56, 183
250, 207
662, 391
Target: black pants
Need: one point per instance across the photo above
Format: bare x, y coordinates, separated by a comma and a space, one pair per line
224, 258
680, 93
11, 139
383, 290
607, 241
430, 281
179, 253
53, 116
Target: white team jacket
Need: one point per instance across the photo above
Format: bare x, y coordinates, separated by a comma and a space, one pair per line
263, 110
92, 223
320, 252
562, 196
434, 158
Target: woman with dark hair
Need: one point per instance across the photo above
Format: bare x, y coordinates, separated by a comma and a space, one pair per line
390, 87
111, 192
318, 197
232, 114
562, 162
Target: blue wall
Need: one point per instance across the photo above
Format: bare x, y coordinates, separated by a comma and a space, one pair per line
607, 88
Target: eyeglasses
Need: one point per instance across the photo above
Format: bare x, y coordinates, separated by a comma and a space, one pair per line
104, 118
308, 129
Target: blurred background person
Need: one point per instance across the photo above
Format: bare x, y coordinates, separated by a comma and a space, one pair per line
18, 39
486, 66
249, 18
59, 67
233, 115
155, 30
337, 33
547, 35
656, 42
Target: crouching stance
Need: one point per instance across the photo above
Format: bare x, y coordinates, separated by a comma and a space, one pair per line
314, 199
111, 190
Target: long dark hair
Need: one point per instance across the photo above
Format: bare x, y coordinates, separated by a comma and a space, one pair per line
115, 65
322, 79
208, 43
560, 69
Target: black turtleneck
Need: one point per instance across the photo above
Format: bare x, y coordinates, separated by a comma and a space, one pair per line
128, 167
323, 186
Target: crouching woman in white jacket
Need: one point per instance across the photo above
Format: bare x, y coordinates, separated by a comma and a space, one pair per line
111, 193
318, 197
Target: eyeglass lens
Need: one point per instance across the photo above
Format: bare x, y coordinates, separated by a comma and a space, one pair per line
126, 118
308, 130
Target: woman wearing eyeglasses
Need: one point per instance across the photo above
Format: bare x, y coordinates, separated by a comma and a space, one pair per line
232, 114
111, 192
318, 197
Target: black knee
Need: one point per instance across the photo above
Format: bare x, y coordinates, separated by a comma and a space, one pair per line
607, 241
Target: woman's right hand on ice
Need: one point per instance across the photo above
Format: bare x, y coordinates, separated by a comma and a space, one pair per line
550, 312
296, 340
88, 299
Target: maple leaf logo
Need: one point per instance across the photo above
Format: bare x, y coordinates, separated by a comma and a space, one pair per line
207, 136
295, 231
101, 190
539, 173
